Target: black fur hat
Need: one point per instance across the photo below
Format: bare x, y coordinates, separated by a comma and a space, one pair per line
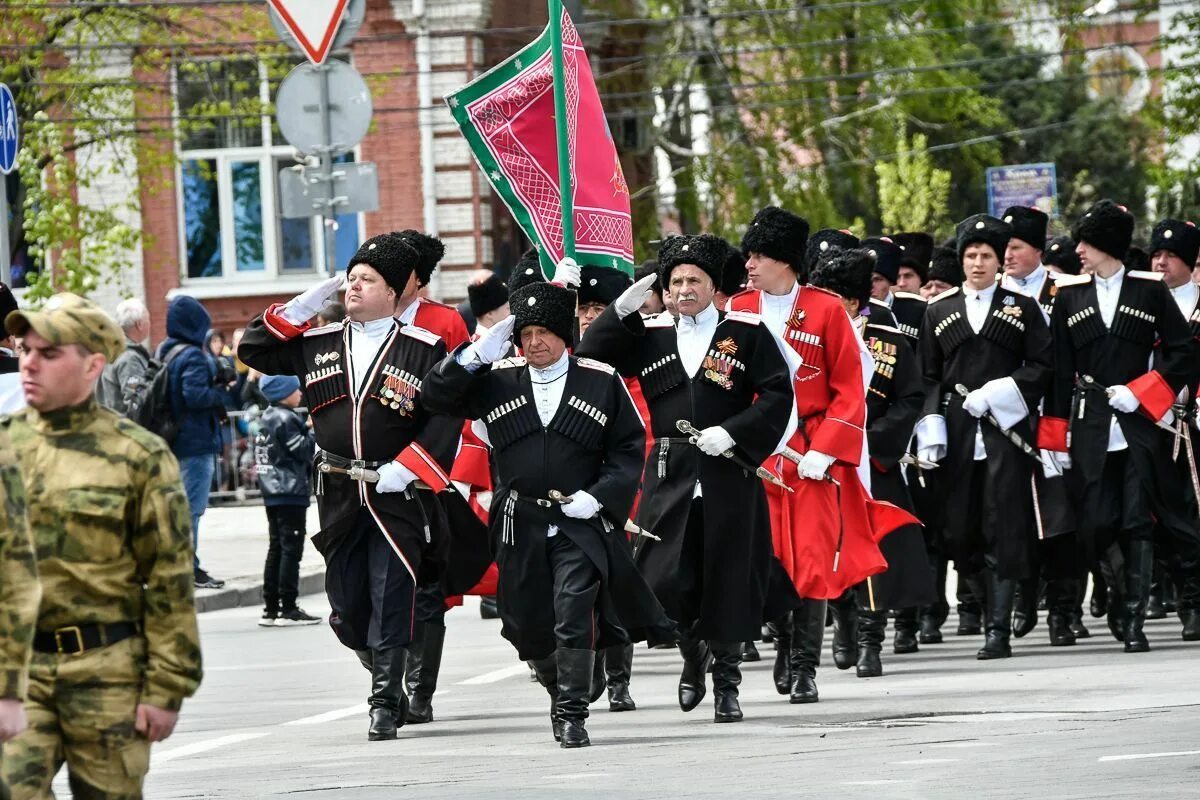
848, 273
1028, 225
887, 255
528, 270
733, 277
1107, 227
430, 248
1178, 237
1060, 252
601, 285
777, 234
824, 242
545, 304
487, 295
1137, 259
390, 256
945, 266
918, 249
706, 251
983, 229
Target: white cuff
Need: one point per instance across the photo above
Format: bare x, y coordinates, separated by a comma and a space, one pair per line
931, 431
1006, 402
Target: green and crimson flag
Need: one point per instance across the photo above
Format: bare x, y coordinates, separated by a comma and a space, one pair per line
508, 117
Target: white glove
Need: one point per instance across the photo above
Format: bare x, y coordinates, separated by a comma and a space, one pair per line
394, 477
306, 305
633, 298
582, 506
714, 441
567, 273
1055, 463
814, 465
492, 346
976, 403
932, 453
1121, 398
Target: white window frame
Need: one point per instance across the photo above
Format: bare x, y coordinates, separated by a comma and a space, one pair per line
272, 279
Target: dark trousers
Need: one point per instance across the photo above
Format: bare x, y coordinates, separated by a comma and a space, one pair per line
576, 591
371, 593
281, 573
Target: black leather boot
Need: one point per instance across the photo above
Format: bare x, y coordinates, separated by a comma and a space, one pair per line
1025, 608
696, 658
904, 640
998, 608
930, 631
1188, 604
618, 666
808, 629
599, 681
845, 629
1139, 571
1112, 567
783, 647
1098, 606
1060, 608
488, 608
749, 652
575, 669
871, 625
422, 681
1156, 603
1190, 617
727, 676
1077, 627
546, 670
364, 658
970, 606
389, 704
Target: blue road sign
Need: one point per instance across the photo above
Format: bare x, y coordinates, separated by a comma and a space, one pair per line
1034, 185
10, 130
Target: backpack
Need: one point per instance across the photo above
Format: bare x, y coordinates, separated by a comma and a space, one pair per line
148, 398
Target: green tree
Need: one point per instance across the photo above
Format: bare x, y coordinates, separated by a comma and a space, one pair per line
912, 191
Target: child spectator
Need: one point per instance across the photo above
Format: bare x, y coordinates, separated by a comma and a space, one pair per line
283, 452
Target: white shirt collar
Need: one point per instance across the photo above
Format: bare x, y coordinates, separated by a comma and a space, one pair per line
1186, 297
409, 315
374, 327
1032, 279
701, 320
788, 297
1111, 283
552, 372
985, 295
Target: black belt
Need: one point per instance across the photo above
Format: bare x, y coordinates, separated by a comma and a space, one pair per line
72, 640
341, 462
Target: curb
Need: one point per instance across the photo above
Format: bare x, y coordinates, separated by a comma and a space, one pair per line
239, 592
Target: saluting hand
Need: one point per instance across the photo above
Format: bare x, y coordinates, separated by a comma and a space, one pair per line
635, 296
303, 307
494, 344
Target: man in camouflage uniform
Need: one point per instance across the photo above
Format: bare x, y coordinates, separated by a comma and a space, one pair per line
19, 596
116, 648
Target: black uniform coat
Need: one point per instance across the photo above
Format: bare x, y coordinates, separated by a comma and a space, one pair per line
754, 404
357, 424
1146, 317
1011, 344
909, 310
894, 400
595, 443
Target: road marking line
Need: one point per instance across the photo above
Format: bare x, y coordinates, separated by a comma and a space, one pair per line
1137, 756
927, 761
958, 745
497, 675
203, 747
330, 716
883, 782
273, 664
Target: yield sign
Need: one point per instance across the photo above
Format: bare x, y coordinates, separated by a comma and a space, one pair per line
313, 23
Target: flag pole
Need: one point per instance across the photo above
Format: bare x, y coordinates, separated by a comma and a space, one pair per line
562, 134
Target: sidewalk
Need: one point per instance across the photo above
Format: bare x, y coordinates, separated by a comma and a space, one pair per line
233, 546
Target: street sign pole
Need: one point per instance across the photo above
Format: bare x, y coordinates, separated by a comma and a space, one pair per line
329, 216
10, 144
5, 246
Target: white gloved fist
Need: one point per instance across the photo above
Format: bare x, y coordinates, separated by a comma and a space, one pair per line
494, 344
814, 465
582, 506
976, 403
932, 453
714, 441
567, 273
1055, 463
1121, 398
394, 477
633, 298
306, 305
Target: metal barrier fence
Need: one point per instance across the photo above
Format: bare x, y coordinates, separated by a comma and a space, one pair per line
235, 479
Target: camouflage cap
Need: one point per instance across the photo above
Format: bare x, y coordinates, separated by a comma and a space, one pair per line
70, 319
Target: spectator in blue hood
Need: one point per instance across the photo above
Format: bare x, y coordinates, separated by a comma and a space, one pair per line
197, 404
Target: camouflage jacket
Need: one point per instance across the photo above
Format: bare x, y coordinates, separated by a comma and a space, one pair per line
19, 587
112, 530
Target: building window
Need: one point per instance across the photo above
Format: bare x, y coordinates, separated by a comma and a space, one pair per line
230, 154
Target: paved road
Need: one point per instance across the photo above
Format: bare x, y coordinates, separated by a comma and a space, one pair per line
281, 714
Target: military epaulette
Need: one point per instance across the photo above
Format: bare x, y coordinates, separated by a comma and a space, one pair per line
591, 363
428, 337
908, 296
876, 302
810, 287
1073, 280
887, 328
746, 317
1146, 276
507, 363
663, 320
953, 290
333, 327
